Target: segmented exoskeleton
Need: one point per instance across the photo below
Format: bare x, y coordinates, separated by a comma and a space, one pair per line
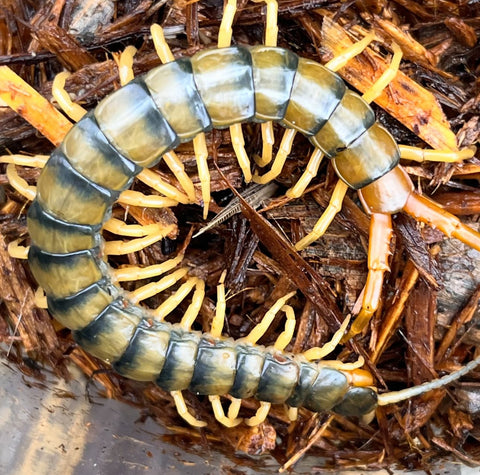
132, 129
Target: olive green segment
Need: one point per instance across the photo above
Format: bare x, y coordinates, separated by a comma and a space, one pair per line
180, 361
349, 120
250, 360
224, 79
174, 91
370, 157
56, 236
278, 380
144, 358
273, 74
315, 94
357, 402
69, 196
89, 152
109, 335
62, 275
79, 310
214, 371
308, 374
328, 389
132, 123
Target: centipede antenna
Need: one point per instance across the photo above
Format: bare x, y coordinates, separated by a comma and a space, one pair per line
254, 195
397, 396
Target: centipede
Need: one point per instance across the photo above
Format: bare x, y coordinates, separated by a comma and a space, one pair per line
136, 127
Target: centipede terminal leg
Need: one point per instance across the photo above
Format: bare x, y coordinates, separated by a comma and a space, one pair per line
380, 235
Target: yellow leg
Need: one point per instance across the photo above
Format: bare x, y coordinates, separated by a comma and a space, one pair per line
292, 413
380, 235
225, 31
177, 168
345, 366
216, 331
117, 226
260, 415
20, 184
286, 336
201, 155
259, 330
271, 35
174, 300
268, 140
40, 298
308, 175
199, 142
220, 414
271, 28
16, 251
153, 288
135, 198
234, 408
74, 111
219, 319
37, 161
325, 220
131, 273
422, 155
124, 62
161, 46
354, 50
194, 307
238, 143
118, 248
384, 80
319, 353
153, 180
183, 411
281, 157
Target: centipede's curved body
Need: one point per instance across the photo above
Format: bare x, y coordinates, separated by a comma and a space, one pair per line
131, 129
